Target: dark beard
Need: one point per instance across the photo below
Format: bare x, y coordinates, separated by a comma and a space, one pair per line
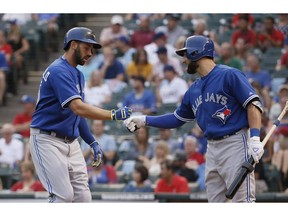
192, 66
77, 57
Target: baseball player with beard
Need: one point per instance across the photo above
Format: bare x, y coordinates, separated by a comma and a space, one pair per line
59, 119
227, 109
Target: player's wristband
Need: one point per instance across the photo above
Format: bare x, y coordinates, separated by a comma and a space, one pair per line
254, 132
113, 114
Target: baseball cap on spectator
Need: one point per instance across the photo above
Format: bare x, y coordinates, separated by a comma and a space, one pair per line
159, 35
169, 68
124, 39
161, 50
117, 19
27, 99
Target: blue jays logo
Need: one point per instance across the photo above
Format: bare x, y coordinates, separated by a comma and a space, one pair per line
222, 114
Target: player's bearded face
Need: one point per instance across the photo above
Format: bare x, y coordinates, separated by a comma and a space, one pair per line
79, 57
192, 67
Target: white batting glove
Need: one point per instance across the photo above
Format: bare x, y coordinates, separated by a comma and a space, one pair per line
135, 122
256, 149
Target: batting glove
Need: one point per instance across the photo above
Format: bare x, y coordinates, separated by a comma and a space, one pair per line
121, 114
98, 155
135, 122
256, 149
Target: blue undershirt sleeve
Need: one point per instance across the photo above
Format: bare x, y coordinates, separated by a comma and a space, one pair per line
164, 121
85, 132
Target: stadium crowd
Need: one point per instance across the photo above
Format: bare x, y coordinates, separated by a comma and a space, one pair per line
137, 67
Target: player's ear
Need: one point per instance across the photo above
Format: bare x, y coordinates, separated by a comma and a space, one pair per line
74, 44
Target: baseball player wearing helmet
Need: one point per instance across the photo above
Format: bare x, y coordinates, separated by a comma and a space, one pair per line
226, 108
59, 119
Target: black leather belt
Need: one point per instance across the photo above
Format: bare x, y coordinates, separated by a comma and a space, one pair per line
51, 133
222, 137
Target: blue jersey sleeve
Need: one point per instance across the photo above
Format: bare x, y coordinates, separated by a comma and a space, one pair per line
239, 86
68, 90
184, 111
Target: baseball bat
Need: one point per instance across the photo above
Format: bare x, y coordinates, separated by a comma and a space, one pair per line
248, 166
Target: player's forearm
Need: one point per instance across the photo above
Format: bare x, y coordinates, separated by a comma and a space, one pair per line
164, 121
254, 117
88, 111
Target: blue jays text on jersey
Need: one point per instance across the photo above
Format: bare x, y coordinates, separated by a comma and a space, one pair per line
60, 84
218, 101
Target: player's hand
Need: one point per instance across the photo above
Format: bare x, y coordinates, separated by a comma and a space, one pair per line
98, 155
121, 113
135, 122
256, 149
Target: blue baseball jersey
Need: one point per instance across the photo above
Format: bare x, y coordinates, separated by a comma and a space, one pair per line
218, 102
60, 84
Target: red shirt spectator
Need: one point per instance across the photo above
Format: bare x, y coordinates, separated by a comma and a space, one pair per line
144, 35
179, 184
171, 182
36, 186
197, 157
28, 182
270, 37
23, 120
236, 17
284, 60
244, 32
5, 47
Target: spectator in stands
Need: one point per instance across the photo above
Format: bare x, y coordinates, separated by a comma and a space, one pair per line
270, 36
166, 135
108, 143
161, 152
97, 93
254, 72
125, 52
144, 34
236, 19
227, 56
20, 47
280, 156
5, 65
170, 182
22, 121
112, 70
28, 182
179, 162
201, 139
140, 66
48, 23
4, 69
104, 174
194, 158
241, 52
282, 63
169, 91
172, 29
5, 47
200, 27
11, 149
20, 18
279, 104
132, 149
140, 182
108, 35
245, 32
141, 99
159, 40
164, 59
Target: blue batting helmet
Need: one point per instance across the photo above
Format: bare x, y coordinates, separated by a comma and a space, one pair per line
197, 47
81, 34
